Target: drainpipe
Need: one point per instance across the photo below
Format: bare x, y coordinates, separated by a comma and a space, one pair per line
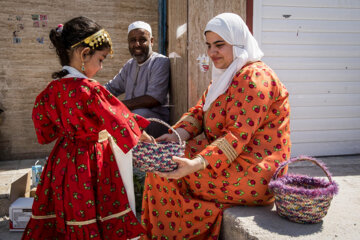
162, 9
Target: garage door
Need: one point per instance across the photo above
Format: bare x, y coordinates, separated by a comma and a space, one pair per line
314, 47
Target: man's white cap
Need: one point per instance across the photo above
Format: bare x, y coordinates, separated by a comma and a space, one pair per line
140, 24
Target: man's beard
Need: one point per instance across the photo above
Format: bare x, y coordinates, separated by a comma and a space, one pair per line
140, 58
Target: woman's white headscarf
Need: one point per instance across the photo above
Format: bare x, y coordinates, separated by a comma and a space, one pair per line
234, 31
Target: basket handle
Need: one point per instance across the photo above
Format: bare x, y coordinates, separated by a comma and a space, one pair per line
301, 159
167, 125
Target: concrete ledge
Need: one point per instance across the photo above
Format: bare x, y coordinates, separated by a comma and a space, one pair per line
341, 222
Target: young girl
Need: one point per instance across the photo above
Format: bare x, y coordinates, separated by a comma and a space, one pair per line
81, 194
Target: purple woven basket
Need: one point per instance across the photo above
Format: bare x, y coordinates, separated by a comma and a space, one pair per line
300, 198
149, 157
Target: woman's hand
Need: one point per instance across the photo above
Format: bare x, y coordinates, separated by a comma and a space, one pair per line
185, 167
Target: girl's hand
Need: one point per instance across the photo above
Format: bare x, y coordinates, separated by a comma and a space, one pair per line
184, 135
146, 138
185, 167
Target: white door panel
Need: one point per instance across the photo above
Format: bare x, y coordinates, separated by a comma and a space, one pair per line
314, 48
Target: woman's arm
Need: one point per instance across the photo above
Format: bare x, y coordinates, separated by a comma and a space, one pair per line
185, 167
192, 121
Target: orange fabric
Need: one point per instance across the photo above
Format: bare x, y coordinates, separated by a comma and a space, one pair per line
246, 136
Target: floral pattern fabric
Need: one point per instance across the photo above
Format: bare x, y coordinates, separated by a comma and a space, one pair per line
81, 194
244, 136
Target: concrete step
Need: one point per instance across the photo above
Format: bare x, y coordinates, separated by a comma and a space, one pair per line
341, 222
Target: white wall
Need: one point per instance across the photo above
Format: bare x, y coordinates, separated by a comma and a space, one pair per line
314, 47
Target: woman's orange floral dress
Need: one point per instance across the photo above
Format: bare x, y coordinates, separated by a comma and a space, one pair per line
246, 136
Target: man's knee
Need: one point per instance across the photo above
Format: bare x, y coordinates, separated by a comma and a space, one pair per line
144, 112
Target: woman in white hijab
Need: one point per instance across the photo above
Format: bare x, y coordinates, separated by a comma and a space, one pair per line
237, 135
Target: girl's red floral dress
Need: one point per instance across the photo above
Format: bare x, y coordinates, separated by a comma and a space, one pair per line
81, 194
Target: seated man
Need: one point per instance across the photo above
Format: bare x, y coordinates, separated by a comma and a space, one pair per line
144, 79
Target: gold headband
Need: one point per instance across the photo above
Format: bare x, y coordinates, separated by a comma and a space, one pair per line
97, 39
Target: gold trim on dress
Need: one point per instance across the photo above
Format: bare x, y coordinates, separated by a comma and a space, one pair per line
81, 223
226, 147
72, 223
115, 215
43, 217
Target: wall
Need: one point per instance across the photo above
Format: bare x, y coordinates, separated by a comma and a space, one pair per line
26, 66
200, 12
186, 22
313, 46
178, 54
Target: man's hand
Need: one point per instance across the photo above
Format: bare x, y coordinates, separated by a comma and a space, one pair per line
145, 101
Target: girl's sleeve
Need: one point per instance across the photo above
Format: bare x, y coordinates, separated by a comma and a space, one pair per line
123, 125
46, 129
192, 121
245, 116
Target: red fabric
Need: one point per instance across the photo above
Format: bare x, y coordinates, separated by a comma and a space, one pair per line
81, 180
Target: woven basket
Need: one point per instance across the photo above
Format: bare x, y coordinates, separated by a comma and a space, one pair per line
149, 157
300, 198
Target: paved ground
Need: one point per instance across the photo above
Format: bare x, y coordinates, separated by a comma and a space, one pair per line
9, 172
260, 223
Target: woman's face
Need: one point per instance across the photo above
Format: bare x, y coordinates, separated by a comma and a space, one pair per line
93, 63
220, 52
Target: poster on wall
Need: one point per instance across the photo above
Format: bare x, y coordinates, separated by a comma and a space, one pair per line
39, 20
204, 62
40, 40
43, 20
17, 26
36, 20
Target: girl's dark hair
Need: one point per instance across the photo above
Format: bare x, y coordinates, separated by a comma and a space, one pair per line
73, 31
